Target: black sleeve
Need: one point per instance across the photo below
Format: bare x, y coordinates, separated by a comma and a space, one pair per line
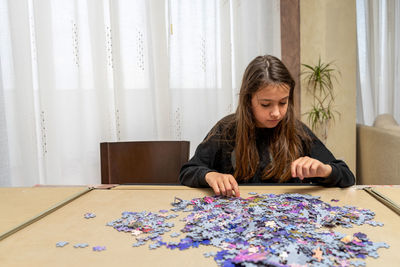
209, 155
341, 175
194, 171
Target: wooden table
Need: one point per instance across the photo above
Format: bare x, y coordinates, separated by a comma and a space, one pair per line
390, 192
19, 204
35, 245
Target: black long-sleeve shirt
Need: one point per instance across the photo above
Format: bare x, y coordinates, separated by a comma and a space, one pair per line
215, 155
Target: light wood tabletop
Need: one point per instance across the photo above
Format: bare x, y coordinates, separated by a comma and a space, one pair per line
35, 245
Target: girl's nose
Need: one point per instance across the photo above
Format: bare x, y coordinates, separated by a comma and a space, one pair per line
275, 112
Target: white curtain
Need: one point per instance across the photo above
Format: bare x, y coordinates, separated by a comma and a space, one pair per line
75, 73
378, 35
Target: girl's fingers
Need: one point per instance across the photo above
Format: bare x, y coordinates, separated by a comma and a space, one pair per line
235, 186
228, 187
221, 187
293, 167
305, 167
314, 169
214, 186
223, 184
299, 167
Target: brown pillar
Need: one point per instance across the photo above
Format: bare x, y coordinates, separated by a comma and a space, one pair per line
290, 44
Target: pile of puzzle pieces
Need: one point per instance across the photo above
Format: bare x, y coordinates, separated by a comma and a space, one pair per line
266, 229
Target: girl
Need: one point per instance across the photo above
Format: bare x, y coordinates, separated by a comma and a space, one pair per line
262, 142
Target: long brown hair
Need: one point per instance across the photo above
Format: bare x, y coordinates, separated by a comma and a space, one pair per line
286, 144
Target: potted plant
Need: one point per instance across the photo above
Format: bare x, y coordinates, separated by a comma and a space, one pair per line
318, 80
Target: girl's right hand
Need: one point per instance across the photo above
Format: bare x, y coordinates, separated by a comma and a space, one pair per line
223, 184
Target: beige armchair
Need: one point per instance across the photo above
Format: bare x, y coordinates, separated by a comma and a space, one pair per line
378, 152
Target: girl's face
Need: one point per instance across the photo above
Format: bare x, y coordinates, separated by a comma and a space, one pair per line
269, 105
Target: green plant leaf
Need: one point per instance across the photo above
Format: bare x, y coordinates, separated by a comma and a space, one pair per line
319, 79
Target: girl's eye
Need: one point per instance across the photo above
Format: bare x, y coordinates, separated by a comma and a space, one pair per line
269, 104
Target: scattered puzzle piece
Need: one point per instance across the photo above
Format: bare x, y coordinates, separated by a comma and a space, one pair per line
62, 243
99, 248
81, 245
89, 215
175, 234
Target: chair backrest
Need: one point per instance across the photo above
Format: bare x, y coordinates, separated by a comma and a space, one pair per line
143, 162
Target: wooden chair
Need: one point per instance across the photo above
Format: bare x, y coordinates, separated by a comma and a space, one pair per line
143, 162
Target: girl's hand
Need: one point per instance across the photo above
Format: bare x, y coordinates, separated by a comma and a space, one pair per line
223, 184
304, 167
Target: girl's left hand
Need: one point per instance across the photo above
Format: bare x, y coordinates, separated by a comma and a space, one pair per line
305, 167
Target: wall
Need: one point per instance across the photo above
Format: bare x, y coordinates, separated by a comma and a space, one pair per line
328, 29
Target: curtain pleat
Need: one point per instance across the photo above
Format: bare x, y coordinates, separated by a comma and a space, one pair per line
378, 37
